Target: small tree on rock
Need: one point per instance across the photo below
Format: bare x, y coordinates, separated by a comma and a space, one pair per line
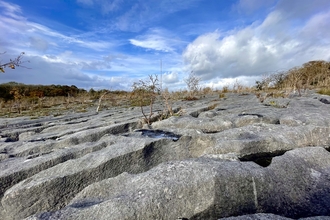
144, 94
192, 83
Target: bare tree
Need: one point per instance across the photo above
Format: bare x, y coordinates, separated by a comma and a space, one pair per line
192, 83
295, 79
278, 79
17, 62
168, 101
145, 93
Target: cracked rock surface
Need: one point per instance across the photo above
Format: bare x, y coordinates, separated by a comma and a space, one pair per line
241, 159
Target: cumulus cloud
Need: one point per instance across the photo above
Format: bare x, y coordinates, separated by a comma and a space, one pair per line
219, 83
272, 44
170, 77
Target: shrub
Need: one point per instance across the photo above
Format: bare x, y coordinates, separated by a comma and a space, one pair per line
207, 90
144, 93
190, 98
192, 83
225, 89
222, 95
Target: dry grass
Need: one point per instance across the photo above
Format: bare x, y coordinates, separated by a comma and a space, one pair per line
324, 91
36, 103
222, 95
37, 107
212, 106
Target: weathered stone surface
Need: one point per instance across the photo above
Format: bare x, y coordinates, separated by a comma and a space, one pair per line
294, 185
88, 165
259, 216
31, 158
269, 216
54, 187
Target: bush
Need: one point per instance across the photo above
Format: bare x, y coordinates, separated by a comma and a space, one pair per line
144, 93
192, 83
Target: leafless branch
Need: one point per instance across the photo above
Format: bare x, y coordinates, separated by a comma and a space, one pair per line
17, 62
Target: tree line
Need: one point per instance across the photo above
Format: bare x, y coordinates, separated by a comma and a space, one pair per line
9, 90
13, 90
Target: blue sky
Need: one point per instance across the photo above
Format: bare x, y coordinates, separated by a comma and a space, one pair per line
112, 43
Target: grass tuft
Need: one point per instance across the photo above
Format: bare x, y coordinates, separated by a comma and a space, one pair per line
324, 91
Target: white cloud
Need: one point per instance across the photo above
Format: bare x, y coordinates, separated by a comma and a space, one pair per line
284, 34
49, 70
219, 83
275, 43
302, 9
42, 30
11, 10
157, 39
317, 29
55, 57
170, 77
152, 42
18, 32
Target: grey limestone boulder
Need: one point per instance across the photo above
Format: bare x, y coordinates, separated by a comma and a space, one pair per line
295, 185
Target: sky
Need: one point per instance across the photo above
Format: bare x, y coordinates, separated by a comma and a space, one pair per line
110, 44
